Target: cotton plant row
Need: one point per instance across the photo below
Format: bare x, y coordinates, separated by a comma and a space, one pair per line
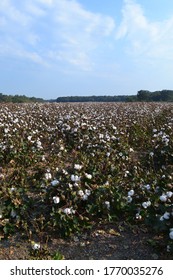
66, 166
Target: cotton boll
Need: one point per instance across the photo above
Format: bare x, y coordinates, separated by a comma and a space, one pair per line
163, 198
166, 216
88, 176
129, 199
77, 166
171, 235
48, 176
87, 192
85, 197
54, 183
35, 246
131, 193
80, 193
56, 199
107, 203
169, 194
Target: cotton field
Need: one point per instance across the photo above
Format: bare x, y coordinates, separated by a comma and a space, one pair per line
66, 166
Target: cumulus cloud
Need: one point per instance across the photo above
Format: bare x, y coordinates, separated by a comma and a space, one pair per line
81, 32
145, 37
54, 30
12, 14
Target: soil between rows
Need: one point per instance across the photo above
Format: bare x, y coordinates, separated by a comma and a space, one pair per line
103, 242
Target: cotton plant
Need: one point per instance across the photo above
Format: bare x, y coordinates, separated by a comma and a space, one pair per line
75, 163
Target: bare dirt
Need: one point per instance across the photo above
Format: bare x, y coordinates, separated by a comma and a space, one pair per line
103, 242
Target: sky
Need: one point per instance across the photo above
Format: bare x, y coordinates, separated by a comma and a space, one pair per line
52, 48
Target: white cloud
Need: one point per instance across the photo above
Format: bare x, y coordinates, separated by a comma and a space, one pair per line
153, 40
34, 9
47, 2
81, 32
17, 50
60, 27
13, 14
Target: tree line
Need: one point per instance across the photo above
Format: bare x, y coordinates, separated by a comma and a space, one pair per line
18, 99
156, 96
142, 96
94, 98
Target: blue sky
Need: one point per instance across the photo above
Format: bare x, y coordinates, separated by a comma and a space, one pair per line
51, 48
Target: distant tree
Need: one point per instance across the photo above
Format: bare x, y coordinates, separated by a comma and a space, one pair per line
167, 95
156, 96
131, 98
144, 95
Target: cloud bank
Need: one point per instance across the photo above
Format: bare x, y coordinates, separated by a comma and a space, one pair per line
48, 31
56, 32
144, 37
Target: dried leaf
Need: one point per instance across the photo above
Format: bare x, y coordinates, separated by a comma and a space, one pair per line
101, 231
113, 232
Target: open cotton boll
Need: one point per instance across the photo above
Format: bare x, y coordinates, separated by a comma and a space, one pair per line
56, 199
166, 216
75, 178
146, 204
169, 194
48, 176
77, 166
129, 199
35, 246
54, 183
163, 198
88, 176
69, 211
171, 234
131, 193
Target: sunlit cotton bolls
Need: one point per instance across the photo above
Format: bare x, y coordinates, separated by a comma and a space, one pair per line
138, 216
56, 199
87, 192
80, 193
88, 176
75, 178
68, 211
107, 203
48, 176
35, 246
126, 173
64, 172
43, 158
77, 166
39, 145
